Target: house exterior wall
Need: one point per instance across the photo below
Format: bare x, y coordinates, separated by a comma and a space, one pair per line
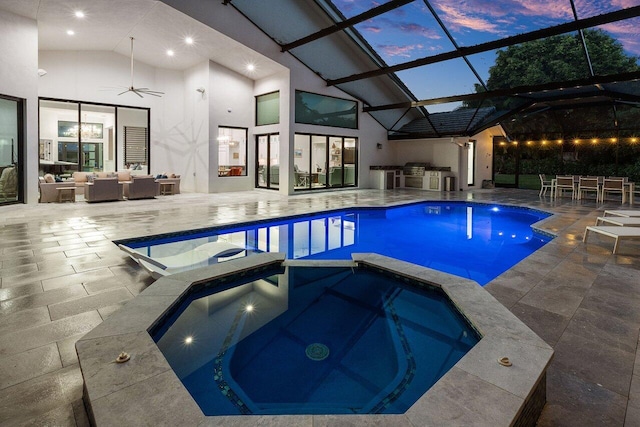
19, 78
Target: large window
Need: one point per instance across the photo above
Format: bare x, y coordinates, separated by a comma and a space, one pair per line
92, 138
268, 109
232, 151
322, 161
10, 149
323, 110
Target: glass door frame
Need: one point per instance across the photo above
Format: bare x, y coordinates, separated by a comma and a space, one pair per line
20, 153
116, 108
267, 166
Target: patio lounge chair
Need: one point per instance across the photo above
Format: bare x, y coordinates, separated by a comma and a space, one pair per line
620, 221
198, 257
629, 213
618, 233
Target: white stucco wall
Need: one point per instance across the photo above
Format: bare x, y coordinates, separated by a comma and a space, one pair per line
231, 100
448, 152
19, 78
229, 22
90, 76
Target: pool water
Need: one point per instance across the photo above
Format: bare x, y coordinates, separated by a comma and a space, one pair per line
314, 340
470, 240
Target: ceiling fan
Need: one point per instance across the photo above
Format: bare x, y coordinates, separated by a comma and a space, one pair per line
139, 90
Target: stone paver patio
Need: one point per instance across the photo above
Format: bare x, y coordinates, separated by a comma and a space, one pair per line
60, 276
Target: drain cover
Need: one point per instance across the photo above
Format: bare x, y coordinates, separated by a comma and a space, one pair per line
317, 351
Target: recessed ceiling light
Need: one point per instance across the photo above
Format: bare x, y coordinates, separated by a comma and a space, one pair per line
70, 32
170, 52
251, 67
79, 14
188, 40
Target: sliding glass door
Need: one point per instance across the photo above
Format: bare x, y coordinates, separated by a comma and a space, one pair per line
11, 138
322, 161
88, 137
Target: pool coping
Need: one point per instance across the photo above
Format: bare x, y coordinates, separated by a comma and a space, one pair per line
477, 390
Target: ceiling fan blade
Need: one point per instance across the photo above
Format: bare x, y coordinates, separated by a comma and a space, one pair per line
137, 93
152, 92
124, 92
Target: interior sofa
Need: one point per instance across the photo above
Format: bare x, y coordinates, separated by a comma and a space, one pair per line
335, 176
103, 190
274, 174
141, 187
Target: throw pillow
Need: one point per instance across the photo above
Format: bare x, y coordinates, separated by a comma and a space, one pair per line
58, 179
90, 177
49, 178
124, 176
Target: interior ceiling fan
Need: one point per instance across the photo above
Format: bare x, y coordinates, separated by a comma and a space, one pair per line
139, 90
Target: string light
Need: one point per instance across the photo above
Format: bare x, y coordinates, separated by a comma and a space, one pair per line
542, 142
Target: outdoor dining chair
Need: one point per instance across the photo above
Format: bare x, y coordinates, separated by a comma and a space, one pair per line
565, 183
615, 186
545, 184
586, 185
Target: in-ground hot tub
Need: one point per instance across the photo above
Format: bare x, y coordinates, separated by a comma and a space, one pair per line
313, 340
478, 389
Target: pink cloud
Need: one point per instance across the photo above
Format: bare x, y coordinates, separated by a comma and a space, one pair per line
458, 19
404, 51
371, 28
493, 16
623, 4
627, 33
420, 30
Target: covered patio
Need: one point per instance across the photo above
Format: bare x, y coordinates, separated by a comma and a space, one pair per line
61, 276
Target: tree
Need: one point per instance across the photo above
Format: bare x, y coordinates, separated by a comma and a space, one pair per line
554, 59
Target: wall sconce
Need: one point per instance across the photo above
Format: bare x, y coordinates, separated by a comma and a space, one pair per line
42, 72
201, 90
379, 146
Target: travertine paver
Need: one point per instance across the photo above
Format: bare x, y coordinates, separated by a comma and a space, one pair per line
29, 234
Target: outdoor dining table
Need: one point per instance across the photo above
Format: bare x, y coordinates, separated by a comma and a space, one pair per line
628, 188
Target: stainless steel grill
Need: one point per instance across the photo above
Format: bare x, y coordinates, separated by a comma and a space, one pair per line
415, 168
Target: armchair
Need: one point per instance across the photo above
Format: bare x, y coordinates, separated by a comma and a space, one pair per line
141, 187
103, 190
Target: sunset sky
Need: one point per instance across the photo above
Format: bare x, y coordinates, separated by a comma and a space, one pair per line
411, 32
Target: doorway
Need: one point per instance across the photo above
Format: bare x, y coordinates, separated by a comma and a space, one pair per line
268, 161
11, 142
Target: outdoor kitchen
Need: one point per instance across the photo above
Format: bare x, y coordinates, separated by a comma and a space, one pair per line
419, 175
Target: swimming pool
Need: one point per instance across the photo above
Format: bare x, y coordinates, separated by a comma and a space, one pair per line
313, 340
471, 240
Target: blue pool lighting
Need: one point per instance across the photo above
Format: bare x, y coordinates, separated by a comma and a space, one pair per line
470, 240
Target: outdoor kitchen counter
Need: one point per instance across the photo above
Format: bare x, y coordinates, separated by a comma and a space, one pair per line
385, 168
